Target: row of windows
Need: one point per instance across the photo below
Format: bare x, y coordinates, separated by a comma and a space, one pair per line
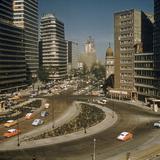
144, 65
126, 15
127, 35
126, 55
145, 73
126, 61
148, 91
126, 48
145, 81
125, 29
144, 58
126, 22
126, 42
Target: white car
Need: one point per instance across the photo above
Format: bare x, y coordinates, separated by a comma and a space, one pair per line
37, 122
125, 136
157, 124
46, 105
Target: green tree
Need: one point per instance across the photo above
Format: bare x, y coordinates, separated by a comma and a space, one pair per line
98, 70
43, 74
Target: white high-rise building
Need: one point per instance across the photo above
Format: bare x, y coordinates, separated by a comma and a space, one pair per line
26, 17
54, 54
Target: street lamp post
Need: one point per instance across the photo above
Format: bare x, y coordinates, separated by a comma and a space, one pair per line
113, 110
94, 149
52, 114
18, 138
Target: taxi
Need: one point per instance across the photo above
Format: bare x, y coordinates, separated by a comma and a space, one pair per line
10, 123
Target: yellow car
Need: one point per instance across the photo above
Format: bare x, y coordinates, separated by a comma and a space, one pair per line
10, 123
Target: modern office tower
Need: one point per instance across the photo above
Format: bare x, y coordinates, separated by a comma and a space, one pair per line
12, 58
26, 17
73, 54
54, 54
130, 27
145, 75
156, 43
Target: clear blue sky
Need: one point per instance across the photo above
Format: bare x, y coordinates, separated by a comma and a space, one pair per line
83, 18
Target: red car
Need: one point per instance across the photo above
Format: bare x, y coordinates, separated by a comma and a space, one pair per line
11, 133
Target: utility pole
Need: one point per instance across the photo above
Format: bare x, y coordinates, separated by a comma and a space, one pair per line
94, 149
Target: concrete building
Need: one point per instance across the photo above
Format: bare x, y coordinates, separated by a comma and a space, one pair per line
130, 27
156, 43
54, 54
26, 17
145, 75
12, 58
72, 55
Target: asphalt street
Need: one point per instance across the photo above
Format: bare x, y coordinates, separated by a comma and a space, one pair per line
131, 118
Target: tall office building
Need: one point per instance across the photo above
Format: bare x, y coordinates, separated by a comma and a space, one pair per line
12, 58
156, 43
130, 27
26, 17
72, 54
54, 54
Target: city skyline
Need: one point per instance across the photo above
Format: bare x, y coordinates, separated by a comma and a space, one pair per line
95, 20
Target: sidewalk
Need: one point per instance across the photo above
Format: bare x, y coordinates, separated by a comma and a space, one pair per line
71, 113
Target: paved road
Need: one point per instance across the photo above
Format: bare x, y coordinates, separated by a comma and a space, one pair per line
131, 119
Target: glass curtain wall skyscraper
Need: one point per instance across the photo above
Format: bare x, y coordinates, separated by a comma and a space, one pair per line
156, 43
12, 58
26, 17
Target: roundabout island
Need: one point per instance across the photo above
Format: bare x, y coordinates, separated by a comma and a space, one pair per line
46, 142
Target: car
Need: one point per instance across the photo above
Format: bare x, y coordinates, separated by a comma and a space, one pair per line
11, 133
37, 122
46, 105
28, 116
10, 123
44, 113
125, 136
157, 124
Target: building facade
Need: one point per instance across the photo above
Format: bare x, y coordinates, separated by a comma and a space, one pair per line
156, 43
72, 55
26, 17
130, 27
145, 75
54, 54
109, 62
12, 57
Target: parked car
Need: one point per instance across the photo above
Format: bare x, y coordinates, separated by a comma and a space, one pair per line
11, 133
10, 123
44, 113
37, 122
29, 116
157, 124
125, 136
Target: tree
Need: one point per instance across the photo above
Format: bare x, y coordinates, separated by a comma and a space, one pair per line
98, 70
43, 74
